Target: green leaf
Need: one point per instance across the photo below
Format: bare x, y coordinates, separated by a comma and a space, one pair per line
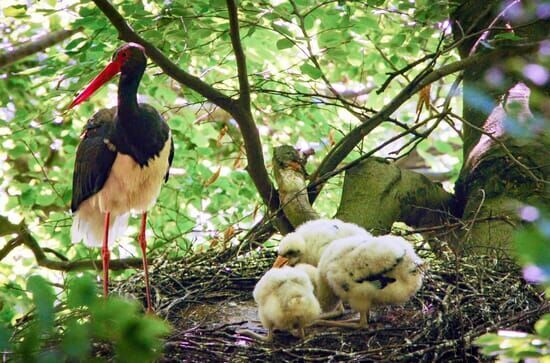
5, 334
542, 326
330, 39
311, 71
82, 292
282, 29
76, 341
43, 298
508, 36
532, 246
284, 43
15, 11
487, 339
75, 43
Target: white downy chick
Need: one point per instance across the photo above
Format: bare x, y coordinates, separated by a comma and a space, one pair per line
306, 244
324, 294
371, 271
286, 300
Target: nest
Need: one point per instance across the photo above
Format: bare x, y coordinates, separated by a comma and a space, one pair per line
207, 300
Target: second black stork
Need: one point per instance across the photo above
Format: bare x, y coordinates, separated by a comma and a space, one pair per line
121, 161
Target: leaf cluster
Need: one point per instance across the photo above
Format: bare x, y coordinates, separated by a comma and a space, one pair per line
73, 331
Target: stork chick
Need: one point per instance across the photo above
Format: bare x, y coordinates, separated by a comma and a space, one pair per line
306, 244
330, 303
285, 301
370, 271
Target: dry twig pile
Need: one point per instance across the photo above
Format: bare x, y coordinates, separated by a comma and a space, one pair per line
207, 300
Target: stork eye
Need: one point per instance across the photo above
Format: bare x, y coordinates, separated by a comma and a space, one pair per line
292, 253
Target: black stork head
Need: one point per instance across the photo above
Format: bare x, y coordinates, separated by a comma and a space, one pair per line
129, 60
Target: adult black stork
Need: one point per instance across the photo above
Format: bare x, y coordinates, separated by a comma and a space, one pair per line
121, 161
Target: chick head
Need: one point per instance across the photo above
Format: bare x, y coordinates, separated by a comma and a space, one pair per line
291, 249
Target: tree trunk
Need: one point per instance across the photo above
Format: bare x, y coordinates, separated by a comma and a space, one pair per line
501, 172
378, 193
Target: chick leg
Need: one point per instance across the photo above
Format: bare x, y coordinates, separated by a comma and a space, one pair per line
363, 319
338, 324
253, 335
352, 323
299, 333
337, 312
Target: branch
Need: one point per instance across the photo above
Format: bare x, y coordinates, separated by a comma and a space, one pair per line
346, 144
24, 237
243, 116
35, 46
290, 174
239, 53
126, 33
13, 243
6, 227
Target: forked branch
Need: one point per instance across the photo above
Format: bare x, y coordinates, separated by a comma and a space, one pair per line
342, 149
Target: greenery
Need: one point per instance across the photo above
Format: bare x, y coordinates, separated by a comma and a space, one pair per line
85, 319
532, 248
339, 80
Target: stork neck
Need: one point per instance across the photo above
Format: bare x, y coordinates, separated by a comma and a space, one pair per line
127, 94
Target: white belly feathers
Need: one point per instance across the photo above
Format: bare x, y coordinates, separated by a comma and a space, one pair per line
129, 188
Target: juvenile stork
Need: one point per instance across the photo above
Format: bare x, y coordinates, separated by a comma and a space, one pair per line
121, 161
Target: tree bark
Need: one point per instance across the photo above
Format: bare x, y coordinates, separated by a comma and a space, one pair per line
290, 175
501, 172
378, 193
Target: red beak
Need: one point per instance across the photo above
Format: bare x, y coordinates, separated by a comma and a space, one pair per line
109, 72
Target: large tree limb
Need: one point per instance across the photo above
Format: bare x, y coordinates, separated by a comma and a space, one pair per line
35, 46
350, 141
377, 193
243, 116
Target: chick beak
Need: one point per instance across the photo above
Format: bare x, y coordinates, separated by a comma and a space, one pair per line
280, 262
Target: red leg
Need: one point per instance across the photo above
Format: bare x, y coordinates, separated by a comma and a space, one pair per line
143, 244
106, 254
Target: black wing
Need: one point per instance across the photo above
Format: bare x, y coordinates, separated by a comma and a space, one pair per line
170, 158
94, 157
157, 135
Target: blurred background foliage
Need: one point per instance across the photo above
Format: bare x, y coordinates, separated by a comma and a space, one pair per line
209, 201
